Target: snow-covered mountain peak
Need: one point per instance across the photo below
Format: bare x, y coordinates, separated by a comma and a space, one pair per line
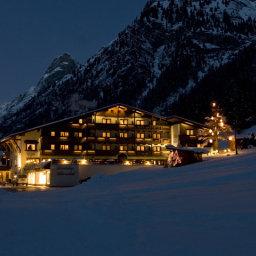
61, 69
157, 63
64, 63
237, 9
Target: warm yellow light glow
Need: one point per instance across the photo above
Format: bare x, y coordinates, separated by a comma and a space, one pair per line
210, 131
211, 140
127, 163
19, 160
230, 138
42, 178
148, 163
65, 161
214, 104
32, 178
83, 162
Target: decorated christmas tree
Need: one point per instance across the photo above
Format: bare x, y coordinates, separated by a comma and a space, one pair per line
217, 128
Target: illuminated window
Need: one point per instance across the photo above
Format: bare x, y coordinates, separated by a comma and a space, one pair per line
30, 147
154, 122
122, 148
78, 134
123, 121
123, 135
106, 121
78, 147
156, 136
106, 147
80, 121
64, 134
190, 132
156, 148
140, 135
106, 134
140, 148
64, 147
140, 122
52, 133
52, 147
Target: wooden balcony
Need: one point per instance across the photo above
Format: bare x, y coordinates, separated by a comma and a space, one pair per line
189, 141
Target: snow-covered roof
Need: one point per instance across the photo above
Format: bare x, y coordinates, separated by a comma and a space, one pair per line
189, 149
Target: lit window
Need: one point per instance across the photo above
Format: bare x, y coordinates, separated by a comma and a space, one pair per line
140, 122
52, 147
156, 149
140, 148
154, 122
190, 132
80, 121
156, 136
64, 147
140, 135
31, 147
78, 134
106, 134
123, 135
122, 148
64, 134
123, 121
52, 134
105, 147
78, 147
106, 121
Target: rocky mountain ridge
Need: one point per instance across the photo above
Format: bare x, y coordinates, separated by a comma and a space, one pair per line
165, 61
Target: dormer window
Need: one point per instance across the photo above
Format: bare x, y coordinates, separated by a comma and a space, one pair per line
31, 145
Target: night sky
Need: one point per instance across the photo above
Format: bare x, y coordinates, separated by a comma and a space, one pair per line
33, 33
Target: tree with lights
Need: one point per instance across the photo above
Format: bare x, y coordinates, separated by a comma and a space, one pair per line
217, 128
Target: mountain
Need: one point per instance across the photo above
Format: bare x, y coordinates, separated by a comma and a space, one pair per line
175, 58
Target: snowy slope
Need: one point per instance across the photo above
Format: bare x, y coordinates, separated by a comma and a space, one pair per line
202, 209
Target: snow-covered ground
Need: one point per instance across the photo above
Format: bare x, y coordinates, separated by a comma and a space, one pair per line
202, 209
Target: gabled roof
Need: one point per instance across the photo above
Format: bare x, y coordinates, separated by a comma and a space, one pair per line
172, 119
177, 119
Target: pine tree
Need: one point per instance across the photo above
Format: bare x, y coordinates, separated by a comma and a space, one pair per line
217, 128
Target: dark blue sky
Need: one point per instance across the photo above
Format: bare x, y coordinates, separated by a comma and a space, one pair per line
34, 32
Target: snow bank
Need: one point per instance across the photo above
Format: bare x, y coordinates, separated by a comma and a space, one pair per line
202, 209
